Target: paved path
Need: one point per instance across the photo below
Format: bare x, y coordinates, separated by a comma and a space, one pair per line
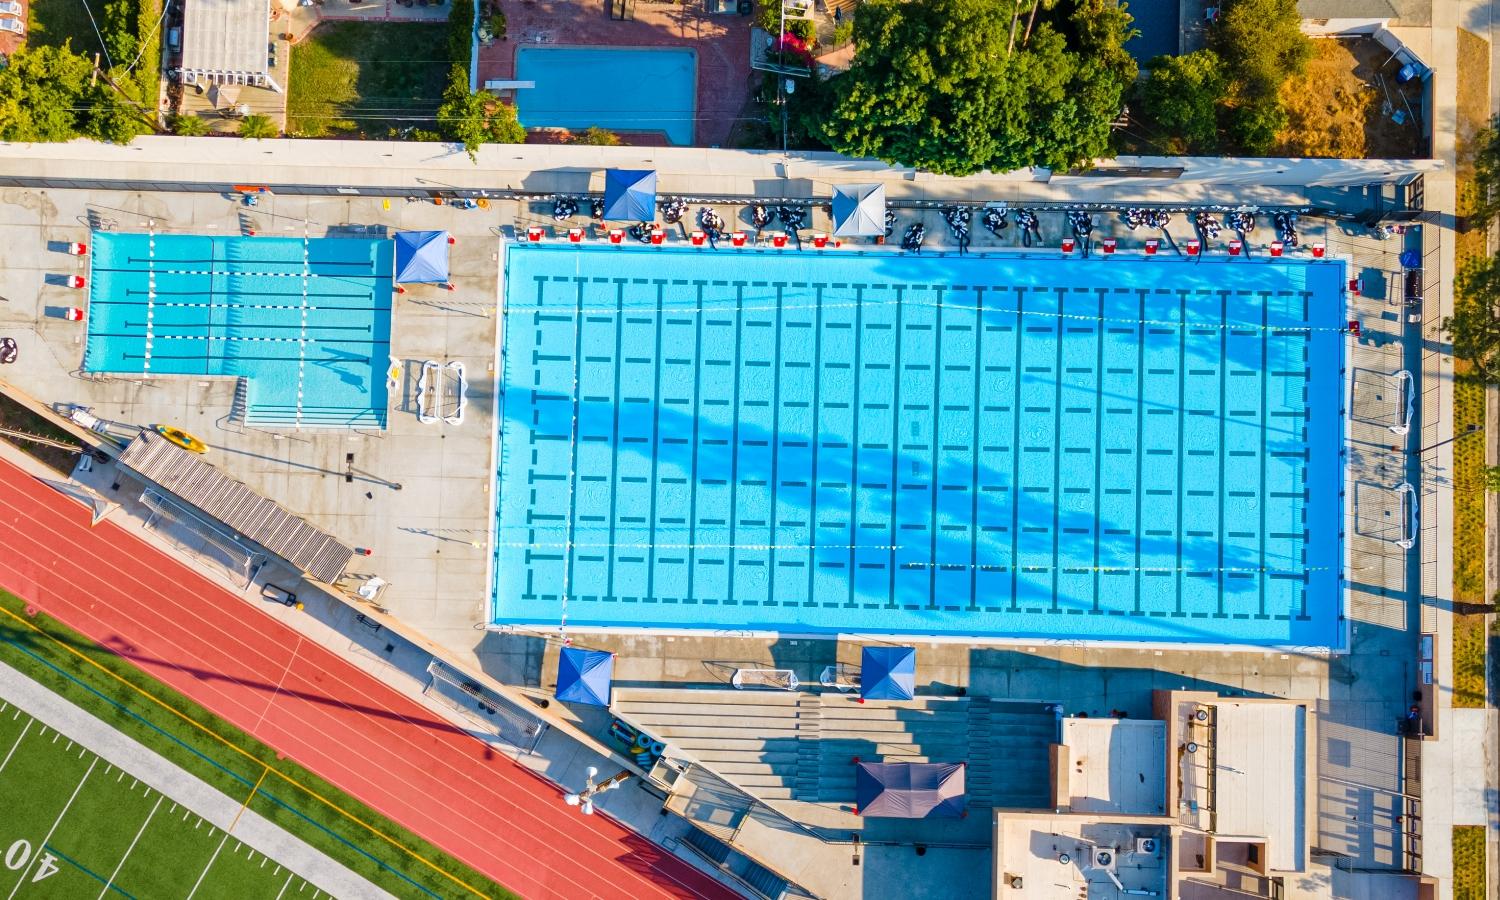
319, 709
184, 789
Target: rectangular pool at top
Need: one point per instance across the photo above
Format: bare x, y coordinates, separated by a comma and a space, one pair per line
1121, 449
618, 88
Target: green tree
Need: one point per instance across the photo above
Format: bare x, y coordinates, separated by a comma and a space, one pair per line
942, 85
1183, 94
594, 135
1474, 326
1484, 204
475, 118
41, 91
460, 31
189, 125
1254, 124
1262, 43
257, 127
112, 117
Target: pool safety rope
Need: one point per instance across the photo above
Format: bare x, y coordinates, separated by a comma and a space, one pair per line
150, 299
302, 334
981, 310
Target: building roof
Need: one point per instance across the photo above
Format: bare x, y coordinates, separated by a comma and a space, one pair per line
1346, 9
1260, 777
1117, 766
226, 36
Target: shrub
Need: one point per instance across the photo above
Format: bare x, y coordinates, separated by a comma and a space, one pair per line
596, 136
257, 127
189, 126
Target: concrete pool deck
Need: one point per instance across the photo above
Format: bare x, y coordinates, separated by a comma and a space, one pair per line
422, 534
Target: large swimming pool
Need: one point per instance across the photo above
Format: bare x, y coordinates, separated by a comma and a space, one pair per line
621, 89
307, 323
1122, 449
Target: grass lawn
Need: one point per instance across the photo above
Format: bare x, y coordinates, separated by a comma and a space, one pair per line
173, 726
1468, 862
365, 78
85, 823
53, 22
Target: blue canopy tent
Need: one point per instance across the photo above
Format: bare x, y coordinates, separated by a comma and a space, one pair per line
888, 673
583, 676
910, 790
630, 194
422, 257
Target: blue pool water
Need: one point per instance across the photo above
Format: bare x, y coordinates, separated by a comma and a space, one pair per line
615, 88
1113, 449
307, 324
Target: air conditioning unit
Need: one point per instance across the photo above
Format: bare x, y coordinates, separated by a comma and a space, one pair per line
1104, 858
1145, 845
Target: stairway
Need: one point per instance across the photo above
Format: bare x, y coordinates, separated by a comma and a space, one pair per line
809, 747
980, 779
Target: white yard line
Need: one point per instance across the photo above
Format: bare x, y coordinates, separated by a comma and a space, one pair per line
210, 865
6, 761
116, 873
289, 877
40, 852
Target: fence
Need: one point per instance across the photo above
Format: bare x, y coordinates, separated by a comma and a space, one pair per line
196, 535
494, 713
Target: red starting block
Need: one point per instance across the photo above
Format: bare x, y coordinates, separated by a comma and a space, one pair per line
534, 234
1276, 248
73, 314
1068, 244
575, 235
1354, 327
657, 236
737, 239
77, 249
1152, 246
1318, 250
616, 236
1194, 248
1107, 246
697, 238
1236, 247
778, 240
76, 282
1356, 285
820, 241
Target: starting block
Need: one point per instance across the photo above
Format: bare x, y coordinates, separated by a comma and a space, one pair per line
1356, 285
76, 282
657, 236
1194, 247
1152, 246
1318, 250
1277, 247
534, 234
820, 241
737, 239
697, 238
1107, 246
616, 236
1354, 327
778, 240
575, 235
1235, 247
73, 314
1068, 244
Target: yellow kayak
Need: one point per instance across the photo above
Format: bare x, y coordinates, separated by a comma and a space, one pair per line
182, 439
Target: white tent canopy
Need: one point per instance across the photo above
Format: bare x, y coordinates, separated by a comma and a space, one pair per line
859, 210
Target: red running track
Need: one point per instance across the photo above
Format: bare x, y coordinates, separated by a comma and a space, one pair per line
319, 709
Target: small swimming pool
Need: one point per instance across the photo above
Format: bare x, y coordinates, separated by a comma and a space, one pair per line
307, 323
1120, 449
621, 89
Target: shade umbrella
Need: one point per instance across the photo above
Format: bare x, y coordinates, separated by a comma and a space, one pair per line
422, 257
888, 673
859, 210
910, 790
584, 676
630, 195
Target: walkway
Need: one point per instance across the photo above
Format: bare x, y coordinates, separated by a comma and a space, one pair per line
214, 806
319, 709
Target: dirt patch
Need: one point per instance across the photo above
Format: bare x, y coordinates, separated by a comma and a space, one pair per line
17, 420
1473, 113
1346, 105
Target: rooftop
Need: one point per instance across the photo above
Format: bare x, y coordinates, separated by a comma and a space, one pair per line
1072, 857
1116, 766
226, 38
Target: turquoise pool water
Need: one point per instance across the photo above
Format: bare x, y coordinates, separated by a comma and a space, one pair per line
616, 88
1113, 449
306, 323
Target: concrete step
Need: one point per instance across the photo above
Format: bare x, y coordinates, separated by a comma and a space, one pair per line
708, 695
728, 726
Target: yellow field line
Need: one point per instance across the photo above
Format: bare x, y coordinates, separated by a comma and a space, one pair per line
265, 770
242, 752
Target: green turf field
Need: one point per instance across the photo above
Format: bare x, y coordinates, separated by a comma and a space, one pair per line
76, 826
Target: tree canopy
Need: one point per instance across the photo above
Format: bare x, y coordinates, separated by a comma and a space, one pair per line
1483, 204
474, 118
957, 86
1475, 323
1183, 94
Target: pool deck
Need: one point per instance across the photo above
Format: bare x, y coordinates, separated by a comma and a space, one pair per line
424, 536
